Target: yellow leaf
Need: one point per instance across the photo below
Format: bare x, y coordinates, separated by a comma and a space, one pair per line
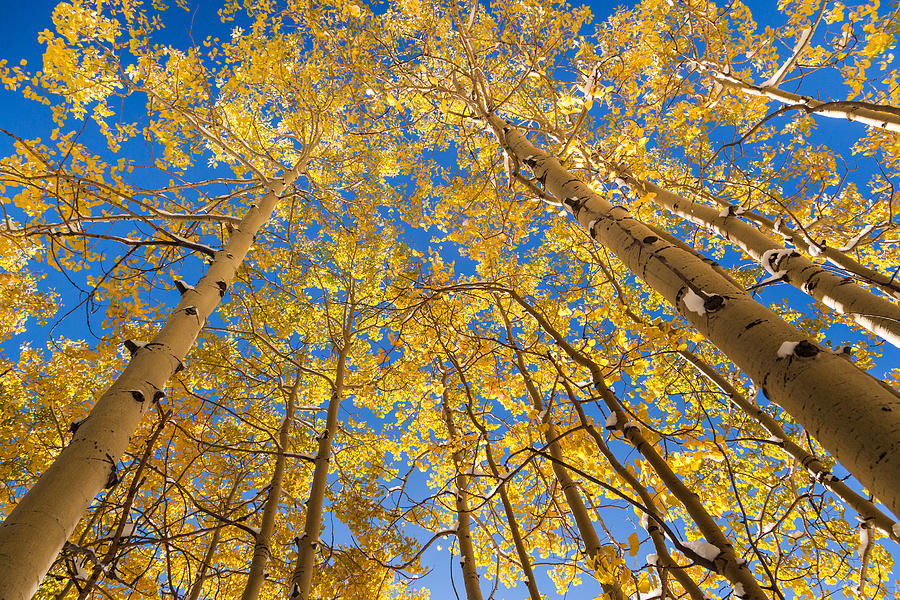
634, 544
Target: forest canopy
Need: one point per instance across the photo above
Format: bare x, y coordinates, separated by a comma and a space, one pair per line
326, 299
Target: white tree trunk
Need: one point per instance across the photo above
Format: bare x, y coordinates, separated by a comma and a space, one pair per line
35, 531
262, 550
301, 579
853, 415
877, 314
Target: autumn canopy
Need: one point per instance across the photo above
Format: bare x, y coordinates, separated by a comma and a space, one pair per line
326, 299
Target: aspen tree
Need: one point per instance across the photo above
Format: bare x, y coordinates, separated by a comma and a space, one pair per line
665, 562
878, 315
348, 272
803, 240
866, 113
107, 563
461, 501
511, 519
804, 24
872, 312
262, 551
208, 556
608, 574
33, 533
801, 192
866, 509
308, 542
565, 273
819, 389
726, 561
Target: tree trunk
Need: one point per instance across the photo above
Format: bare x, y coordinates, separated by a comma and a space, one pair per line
463, 525
727, 562
665, 562
873, 115
867, 510
803, 241
262, 548
874, 313
110, 554
35, 531
569, 487
852, 414
197, 586
508, 510
301, 579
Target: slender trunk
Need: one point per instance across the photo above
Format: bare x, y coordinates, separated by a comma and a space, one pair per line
463, 525
726, 562
867, 510
301, 579
873, 115
197, 586
110, 553
800, 239
852, 414
35, 531
524, 559
838, 257
261, 549
874, 313
521, 551
569, 487
665, 562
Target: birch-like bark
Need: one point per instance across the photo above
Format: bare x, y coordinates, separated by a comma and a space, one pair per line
301, 579
867, 510
838, 257
727, 562
35, 531
867, 113
262, 550
569, 487
463, 522
853, 415
211, 549
799, 48
841, 294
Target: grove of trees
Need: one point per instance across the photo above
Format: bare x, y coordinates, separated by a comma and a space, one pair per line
325, 299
